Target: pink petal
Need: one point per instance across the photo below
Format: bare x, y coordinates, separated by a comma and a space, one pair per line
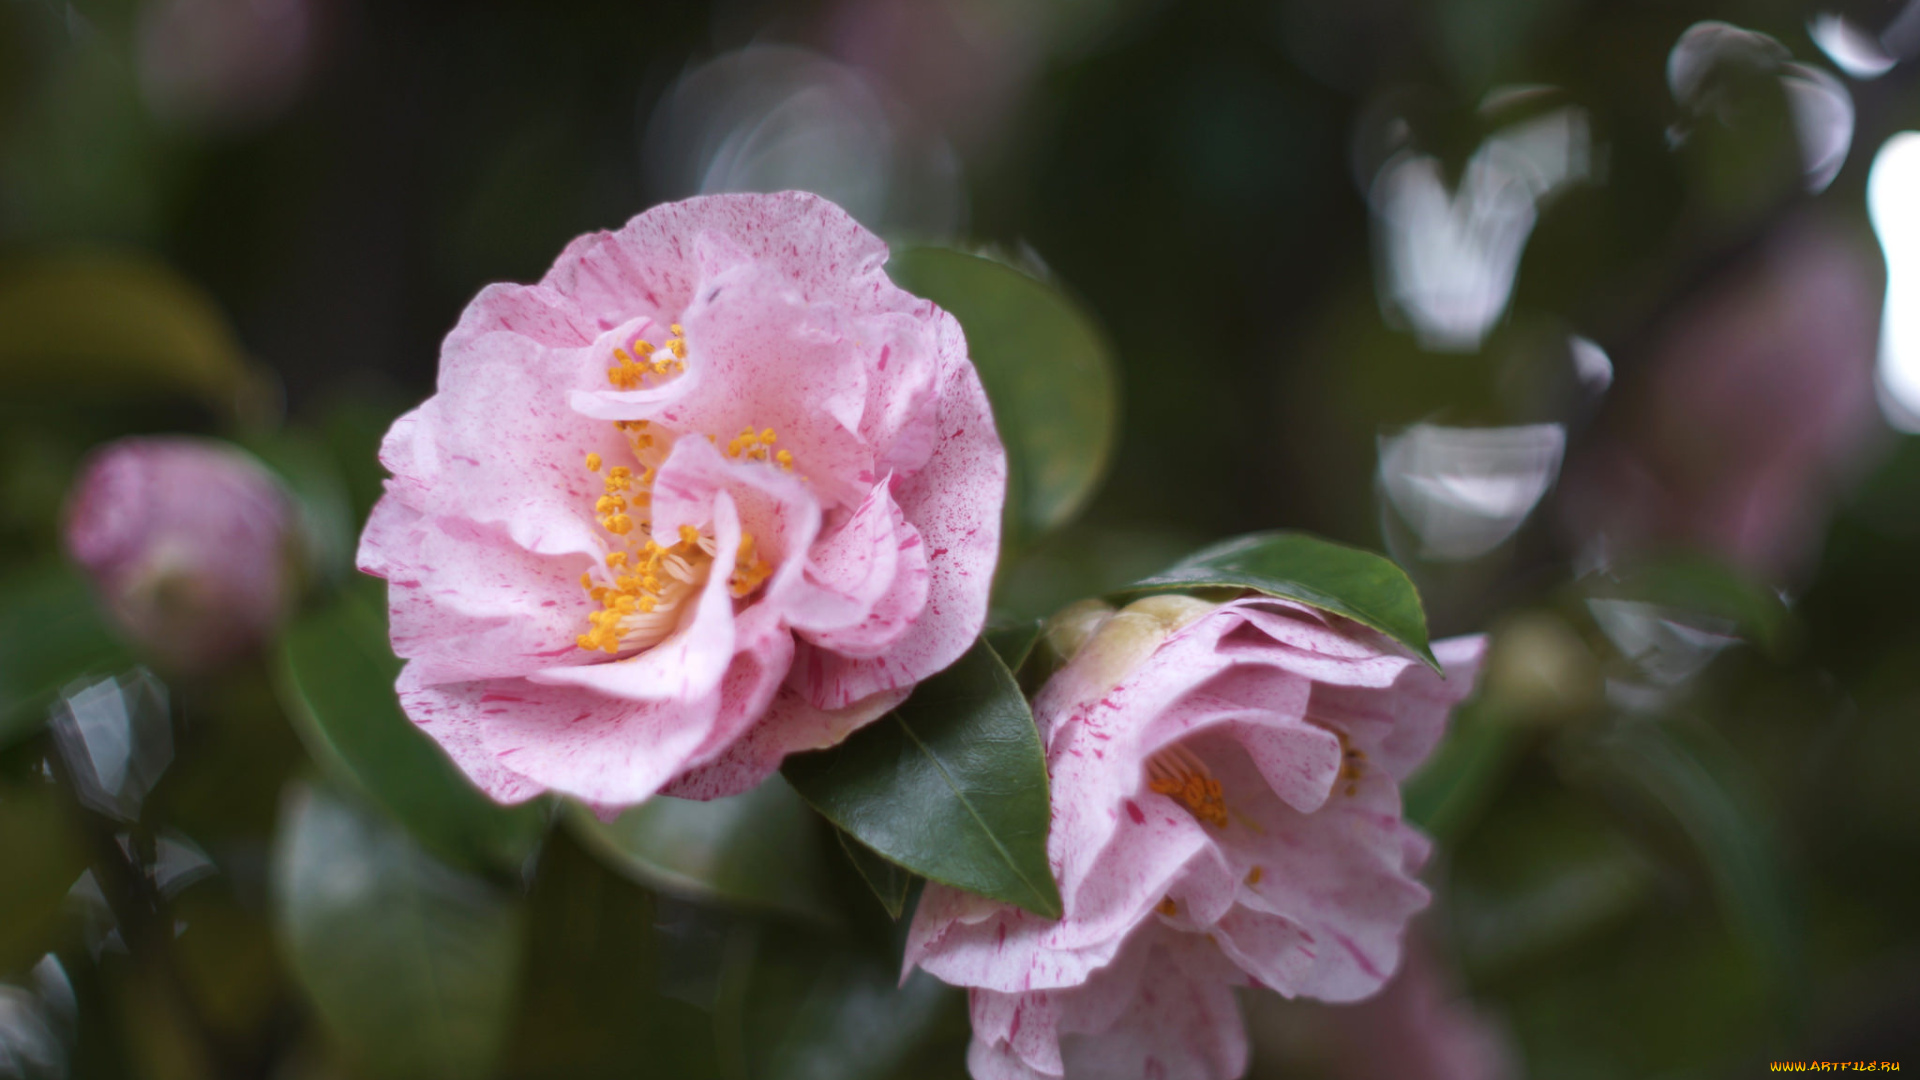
868, 582
955, 503
454, 720
468, 603
789, 726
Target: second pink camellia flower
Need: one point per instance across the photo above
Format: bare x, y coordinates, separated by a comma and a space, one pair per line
1226, 812
712, 492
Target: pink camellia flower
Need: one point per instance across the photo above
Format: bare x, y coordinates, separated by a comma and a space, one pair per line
189, 542
712, 492
1226, 812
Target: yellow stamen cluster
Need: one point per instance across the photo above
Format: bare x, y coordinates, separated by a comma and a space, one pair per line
1179, 773
631, 370
748, 569
1353, 763
758, 447
640, 576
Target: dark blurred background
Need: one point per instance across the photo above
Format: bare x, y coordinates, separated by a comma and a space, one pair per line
1588, 313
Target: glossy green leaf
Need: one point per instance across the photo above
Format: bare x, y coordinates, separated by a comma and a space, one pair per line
951, 785
52, 632
115, 321
890, 882
411, 963
759, 849
1014, 642
1367, 588
336, 681
1047, 369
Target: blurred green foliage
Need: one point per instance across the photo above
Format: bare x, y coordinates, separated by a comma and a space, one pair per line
1650, 862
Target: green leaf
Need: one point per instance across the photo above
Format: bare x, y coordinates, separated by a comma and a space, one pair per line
52, 632
411, 963
1367, 588
890, 882
1695, 781
1047, 370
336, 676
760, 849
1014, 642
100, 321
813, 1011
951, 785
591, 1004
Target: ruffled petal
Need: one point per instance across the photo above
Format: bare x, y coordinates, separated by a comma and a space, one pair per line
465, 602
955, 504
789, 725
454, 719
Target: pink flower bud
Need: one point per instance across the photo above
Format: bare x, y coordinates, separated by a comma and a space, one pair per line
189, 543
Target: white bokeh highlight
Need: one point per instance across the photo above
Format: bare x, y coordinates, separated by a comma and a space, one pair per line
1464, 491
1893, 202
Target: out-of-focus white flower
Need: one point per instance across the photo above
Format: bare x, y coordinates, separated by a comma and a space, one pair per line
1464, 491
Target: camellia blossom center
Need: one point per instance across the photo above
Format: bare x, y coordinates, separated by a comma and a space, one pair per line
1179, 773
646, 584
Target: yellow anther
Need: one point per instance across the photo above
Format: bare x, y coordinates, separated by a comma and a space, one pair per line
607, 504
677, 332
689, 535
1167, 907
679, 350
650, 583
625, 604
620, 354
593, 462
628, 583
1180, 774
1254, 875
586, 581
647, 604
767, 437
620, 525
616, 559
785, 458
643, 349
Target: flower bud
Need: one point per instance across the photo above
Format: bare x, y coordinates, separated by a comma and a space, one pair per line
190, 545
